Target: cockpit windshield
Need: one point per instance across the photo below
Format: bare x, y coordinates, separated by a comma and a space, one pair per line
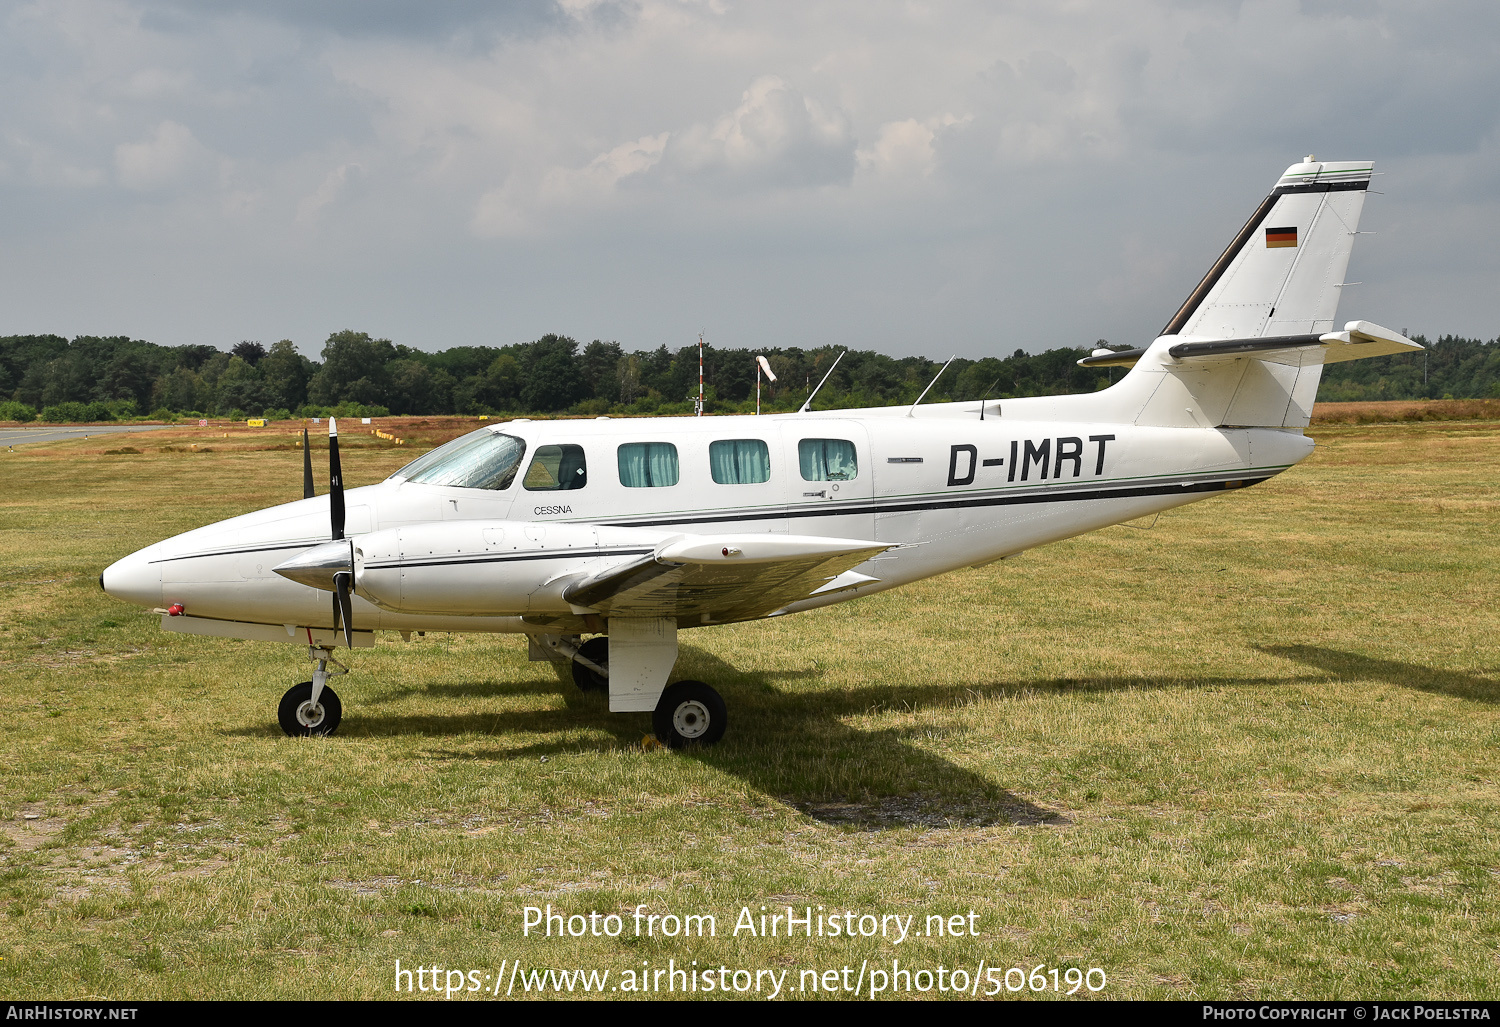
482, 459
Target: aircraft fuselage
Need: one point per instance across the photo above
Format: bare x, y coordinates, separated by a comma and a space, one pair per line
947, 489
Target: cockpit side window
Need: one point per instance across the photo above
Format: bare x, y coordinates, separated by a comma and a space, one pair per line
556, 469
482, 459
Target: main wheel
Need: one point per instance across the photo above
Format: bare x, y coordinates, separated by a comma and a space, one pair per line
299, 716
689, 712
595, 650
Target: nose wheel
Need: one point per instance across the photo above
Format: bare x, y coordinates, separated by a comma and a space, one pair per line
301, 716
312, 708
689, 712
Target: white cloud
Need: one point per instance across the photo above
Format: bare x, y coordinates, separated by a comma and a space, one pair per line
904, 149
521, 207
172, 156
777, 136
330, 189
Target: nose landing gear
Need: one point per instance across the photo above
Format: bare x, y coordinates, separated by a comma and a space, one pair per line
312, 708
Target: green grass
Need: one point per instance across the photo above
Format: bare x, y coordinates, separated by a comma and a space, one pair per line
1250, 752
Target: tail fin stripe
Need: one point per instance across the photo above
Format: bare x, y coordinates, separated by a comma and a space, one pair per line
1322, 187
1190, 305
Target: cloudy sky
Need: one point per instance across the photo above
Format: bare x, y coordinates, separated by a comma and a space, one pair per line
969, 177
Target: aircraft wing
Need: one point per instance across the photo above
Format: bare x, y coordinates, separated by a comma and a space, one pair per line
714, 579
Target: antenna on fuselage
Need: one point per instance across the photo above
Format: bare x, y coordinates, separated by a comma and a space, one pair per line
987, 396
913, 411
806, 406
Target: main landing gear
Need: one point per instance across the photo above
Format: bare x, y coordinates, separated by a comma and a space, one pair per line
688, 712
590, 665
312, 708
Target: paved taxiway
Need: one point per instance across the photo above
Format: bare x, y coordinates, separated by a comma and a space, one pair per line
57, 433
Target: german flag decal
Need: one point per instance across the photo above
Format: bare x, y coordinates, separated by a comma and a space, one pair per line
1281, 237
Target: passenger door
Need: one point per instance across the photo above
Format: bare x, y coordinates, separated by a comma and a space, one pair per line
830, 478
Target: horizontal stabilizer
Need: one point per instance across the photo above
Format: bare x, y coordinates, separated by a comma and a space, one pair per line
1362, 339
1358, 339
1263, 382
1112, 358
1290, 348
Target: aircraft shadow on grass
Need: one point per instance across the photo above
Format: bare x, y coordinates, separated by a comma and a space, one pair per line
790, 744
1405, 675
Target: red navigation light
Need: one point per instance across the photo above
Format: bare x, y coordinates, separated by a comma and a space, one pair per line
175, 610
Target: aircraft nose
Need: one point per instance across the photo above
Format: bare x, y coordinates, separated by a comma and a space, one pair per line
135, 580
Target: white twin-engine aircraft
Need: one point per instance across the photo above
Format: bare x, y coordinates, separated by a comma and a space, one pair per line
632, 529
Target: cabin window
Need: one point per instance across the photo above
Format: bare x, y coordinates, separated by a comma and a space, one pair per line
827, 460
739, 461
645, 465
556, 469
482, 459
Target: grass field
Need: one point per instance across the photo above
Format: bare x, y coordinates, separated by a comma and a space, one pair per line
1249, 752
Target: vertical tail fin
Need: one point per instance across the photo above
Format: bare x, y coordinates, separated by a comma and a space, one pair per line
1281, 274
1248, 347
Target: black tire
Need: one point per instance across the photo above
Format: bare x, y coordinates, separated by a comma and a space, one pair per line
595, 649
689, 713
298, 720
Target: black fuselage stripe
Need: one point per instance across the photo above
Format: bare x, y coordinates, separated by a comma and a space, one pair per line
949, 504
305, 544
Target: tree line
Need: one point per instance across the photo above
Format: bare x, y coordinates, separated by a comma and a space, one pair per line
90, 378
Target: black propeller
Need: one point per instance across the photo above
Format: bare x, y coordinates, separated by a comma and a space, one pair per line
307, 478
343, 581
329, 566
343, 610
336, 474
